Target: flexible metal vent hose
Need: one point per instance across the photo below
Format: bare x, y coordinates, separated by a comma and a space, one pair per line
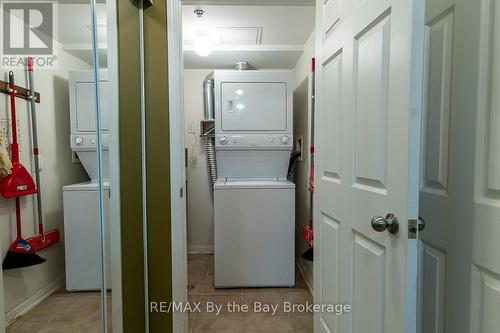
208, 96
212, 162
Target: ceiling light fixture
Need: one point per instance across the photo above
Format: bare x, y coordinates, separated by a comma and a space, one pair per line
203, 44
199, 12
203, 38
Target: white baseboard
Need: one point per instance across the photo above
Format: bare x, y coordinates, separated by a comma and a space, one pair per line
200, 249
307, 278
34, 300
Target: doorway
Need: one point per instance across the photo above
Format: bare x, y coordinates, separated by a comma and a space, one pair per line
215, 38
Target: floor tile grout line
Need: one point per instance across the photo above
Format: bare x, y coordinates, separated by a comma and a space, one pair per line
206, 275
201, 292
282, 292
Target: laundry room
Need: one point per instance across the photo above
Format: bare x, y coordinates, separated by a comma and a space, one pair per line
49, 230
247, 86
257, 166
62, 285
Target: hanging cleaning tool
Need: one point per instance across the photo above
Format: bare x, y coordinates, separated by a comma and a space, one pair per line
20, 253
44, 238
307, 230
18, 183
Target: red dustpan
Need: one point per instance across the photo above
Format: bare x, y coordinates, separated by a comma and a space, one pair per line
18, 183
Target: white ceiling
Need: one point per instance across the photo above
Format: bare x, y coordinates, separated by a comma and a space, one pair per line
74, 30
250, 2
75, 23
269, 38
280, 25
78, 1
281, 34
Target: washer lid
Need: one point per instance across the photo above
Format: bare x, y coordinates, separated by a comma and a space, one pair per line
85, 186
253, 183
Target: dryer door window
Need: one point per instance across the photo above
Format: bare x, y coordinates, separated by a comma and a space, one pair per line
254, 106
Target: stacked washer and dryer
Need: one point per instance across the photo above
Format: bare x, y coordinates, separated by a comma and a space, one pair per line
254, 203
249, 151
81, 200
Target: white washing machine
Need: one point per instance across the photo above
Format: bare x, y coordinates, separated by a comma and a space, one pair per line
254, 233
81, 236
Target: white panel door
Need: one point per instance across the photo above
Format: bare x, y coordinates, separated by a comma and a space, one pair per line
460, 183
369, 79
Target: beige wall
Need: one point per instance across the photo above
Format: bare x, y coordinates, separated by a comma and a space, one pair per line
53, 125
199, 194
301, 123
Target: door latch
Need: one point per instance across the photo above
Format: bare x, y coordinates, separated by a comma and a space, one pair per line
415, 226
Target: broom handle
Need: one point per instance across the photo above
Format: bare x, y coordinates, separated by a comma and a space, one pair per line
313, 99
14, 145
35, 144
18, 218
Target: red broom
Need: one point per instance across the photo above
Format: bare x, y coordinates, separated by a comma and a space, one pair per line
18, 183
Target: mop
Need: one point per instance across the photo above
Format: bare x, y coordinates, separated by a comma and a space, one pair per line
16, 184
44, 238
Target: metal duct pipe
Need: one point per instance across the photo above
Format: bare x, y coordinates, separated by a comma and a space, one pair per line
209, 102
241, 66
208, 96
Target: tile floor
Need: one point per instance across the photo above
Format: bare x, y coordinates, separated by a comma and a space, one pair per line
80, 312
201, 278
63, 312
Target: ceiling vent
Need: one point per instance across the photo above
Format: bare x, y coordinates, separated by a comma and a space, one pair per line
240, 35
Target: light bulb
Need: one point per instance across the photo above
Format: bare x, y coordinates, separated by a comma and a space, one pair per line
203, 45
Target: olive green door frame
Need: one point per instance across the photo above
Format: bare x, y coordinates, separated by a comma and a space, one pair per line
144, 164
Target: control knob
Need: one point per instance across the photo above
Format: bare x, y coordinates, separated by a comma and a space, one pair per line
284, 139
223, 140
78, 141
